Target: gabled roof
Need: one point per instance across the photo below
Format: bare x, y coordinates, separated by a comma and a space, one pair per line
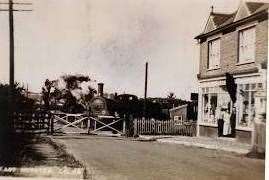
215, 20
178, 107
219, 18
230, 20
245, 9
253, 6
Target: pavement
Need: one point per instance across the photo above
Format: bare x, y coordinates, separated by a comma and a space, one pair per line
42, 160
113, 158
222, 143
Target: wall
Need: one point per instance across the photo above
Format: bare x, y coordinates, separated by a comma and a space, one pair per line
212, 132
229, 51
179, 112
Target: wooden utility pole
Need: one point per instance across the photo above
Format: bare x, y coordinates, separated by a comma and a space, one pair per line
11, 47
10, 10
146, 89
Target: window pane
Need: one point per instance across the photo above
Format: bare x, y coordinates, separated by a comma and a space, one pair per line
252, 107
245, 103
247, 45
214, 53
205, 107
241, 45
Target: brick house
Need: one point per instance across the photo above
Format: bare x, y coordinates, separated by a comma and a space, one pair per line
237, 44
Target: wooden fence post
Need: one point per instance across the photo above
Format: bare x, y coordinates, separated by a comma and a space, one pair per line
52, 125
124, 125
88, 125
135, 127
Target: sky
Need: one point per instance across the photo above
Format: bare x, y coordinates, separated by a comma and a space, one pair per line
110, 40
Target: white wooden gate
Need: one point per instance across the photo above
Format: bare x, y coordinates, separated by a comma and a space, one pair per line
82, 123
110, 120
70, 123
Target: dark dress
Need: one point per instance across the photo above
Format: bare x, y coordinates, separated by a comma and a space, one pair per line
220, 127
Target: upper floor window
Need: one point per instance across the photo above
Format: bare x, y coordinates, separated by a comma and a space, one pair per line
247, 45
213, 54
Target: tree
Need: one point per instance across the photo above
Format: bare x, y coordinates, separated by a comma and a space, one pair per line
86, 98
71, 97
171, 95
73, 82
47, 92
20, 103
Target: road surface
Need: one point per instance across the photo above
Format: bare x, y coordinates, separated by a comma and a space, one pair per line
120, 159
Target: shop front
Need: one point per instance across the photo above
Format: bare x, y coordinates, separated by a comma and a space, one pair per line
213, 97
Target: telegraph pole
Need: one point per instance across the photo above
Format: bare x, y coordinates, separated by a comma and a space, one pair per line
146, 89
10, 10
11, 47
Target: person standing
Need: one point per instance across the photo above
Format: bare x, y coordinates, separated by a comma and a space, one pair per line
233, 122
227, 122
219, 116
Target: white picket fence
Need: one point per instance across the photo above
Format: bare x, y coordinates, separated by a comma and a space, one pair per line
163, 127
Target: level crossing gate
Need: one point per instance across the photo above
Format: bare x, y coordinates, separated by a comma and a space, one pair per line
82, 123
106, 122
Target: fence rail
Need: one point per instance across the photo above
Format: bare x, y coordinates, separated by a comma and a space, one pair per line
164, 127
32, 122
69, 123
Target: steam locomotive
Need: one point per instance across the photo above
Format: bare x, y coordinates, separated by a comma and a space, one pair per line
115, 106
125, 105
109, 109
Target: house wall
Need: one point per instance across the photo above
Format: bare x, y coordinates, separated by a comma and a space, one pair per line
229, 50
179, 112
229, 63
209, 131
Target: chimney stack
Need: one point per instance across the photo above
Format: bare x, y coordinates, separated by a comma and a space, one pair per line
100, 89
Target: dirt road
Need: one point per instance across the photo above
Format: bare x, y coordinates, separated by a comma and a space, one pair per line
117, 158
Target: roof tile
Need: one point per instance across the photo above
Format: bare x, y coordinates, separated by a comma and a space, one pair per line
253, 6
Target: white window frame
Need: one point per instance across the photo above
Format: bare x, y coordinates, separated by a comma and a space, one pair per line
246, 45
206, 118
213, 54
178, 120
239, 115
222, 99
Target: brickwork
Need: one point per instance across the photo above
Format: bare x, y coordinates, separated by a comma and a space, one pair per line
229, 52
241, 136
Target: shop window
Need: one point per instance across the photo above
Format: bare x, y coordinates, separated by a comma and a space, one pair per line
213, 98
246, 109
210, 102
